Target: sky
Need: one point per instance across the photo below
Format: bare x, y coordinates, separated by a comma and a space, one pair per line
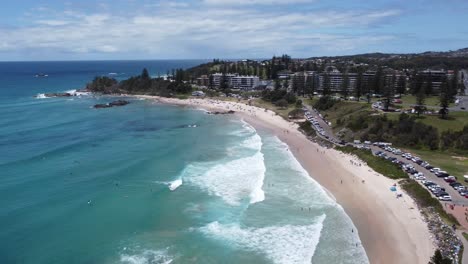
32, 30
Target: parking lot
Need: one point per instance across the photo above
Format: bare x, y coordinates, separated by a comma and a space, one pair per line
442, 185
320, 126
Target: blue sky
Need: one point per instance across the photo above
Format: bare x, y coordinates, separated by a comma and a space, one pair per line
144, 29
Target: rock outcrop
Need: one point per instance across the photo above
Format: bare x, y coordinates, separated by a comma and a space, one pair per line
221, 113
112, 104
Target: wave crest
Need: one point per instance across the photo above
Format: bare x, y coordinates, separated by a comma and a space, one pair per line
281, 244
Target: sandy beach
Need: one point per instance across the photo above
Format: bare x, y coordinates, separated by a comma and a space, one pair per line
391, 229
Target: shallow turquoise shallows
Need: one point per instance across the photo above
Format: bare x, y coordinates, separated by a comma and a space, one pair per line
85, 185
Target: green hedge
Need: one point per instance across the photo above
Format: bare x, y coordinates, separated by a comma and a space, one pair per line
384, 167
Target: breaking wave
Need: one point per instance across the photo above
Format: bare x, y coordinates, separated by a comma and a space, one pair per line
281, 244
234, 180
146, 257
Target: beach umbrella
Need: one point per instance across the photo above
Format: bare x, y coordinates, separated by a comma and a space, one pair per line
393, 189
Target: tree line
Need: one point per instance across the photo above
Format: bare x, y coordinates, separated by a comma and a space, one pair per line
143, 84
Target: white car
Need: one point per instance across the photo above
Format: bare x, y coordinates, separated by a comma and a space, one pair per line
445, 198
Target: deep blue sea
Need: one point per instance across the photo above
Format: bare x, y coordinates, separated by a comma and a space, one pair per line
84, 185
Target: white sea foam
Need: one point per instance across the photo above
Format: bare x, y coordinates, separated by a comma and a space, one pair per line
147, 257
295, 165
233, 181
40, 96
237, 179
281, 244
175, 184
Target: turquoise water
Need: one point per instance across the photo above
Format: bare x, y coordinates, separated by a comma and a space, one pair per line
84, 185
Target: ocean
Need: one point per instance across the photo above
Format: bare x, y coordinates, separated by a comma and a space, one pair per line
84, 185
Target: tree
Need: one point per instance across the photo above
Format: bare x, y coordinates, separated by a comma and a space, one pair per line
294, 86
145, 74
223, 83
401, 84
378, 81
326, 84
420, 102
310, 85
282, 103
416, 83
428, 85
454, 85
358, 88
462, 83
439, 259
299, 103
211, 82
277, 84
389, 91
444, 100
345, 85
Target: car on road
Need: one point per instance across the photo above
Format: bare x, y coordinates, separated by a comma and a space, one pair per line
450, 179
445, 198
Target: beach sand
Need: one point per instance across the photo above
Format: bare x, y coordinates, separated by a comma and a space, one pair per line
391, 229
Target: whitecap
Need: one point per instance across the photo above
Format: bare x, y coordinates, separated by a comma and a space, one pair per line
233, 180
280, 244
147, 257
175, 184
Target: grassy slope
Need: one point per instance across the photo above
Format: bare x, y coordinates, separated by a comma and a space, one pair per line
283, 112
344, 109
456, 121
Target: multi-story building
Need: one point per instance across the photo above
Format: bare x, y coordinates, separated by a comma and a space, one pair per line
436, 77
203, 80
335, 81
233, 80
244, 82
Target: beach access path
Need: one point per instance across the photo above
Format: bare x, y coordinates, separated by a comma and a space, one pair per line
391, 229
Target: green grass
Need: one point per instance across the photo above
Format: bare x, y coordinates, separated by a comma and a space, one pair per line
378, 164
344, 109
424, 199
465, 235
455, 164
429, 101
281, 111
456, 121
307, 128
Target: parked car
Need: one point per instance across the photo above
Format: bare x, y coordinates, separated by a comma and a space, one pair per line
445, 198
450, 179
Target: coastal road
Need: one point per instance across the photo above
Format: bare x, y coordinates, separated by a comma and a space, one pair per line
456, 197
328, 130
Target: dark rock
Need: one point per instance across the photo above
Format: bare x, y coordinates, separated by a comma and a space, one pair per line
57, 94
112, 104
102, 105
221, 113
119, 103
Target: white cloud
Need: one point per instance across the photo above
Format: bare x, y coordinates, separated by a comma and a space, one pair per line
196, 32
53, 22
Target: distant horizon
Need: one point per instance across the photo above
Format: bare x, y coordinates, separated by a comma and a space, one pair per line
233, 59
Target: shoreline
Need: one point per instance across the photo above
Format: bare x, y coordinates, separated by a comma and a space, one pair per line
391, 230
